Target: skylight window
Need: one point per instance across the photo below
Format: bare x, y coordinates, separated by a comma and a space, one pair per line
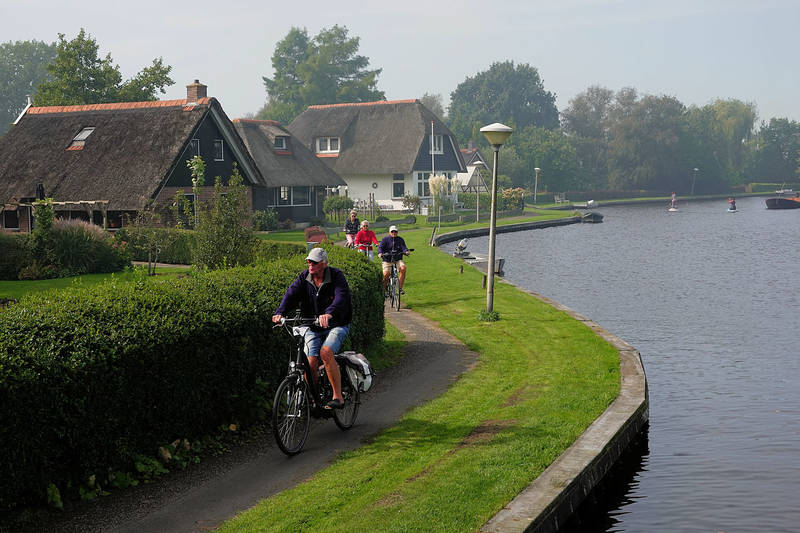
80, 139
280, 143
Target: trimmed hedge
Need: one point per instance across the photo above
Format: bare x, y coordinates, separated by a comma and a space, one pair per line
14, 254
92, 377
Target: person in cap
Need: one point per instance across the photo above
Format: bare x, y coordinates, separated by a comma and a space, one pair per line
391, 249
321, 291
365, 239
351, 228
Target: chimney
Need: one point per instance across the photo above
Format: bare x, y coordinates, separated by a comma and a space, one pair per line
196, 91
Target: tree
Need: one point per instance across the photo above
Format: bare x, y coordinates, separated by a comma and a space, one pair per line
775, 151
434, 103
514, 95
586, 121
551, 151
325, 69
23, 66
80, 77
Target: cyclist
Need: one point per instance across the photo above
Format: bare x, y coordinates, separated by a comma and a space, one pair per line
391, 250
365, 239
351, 228
321, 291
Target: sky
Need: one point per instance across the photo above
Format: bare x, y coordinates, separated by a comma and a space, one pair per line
695, 50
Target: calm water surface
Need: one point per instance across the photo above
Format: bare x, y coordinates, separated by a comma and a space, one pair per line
709, 299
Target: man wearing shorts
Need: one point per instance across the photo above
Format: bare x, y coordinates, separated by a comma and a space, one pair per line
321, 291
391, 250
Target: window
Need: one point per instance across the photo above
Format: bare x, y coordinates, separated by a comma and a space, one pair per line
421, 179
80, 139
327, 145
219, 153
286, 196
11, 219
280, 143
194, 147
398, 186
436, 144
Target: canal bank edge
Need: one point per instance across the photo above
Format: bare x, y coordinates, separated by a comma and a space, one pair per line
546, 504
520, 226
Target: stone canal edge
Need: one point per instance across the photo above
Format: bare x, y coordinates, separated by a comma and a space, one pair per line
551, 498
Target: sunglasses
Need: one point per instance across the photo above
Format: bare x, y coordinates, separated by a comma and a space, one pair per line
310, 262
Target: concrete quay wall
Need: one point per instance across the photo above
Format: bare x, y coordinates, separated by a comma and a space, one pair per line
521, 226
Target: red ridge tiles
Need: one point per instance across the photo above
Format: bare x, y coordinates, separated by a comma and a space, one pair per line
120, 105
379, 102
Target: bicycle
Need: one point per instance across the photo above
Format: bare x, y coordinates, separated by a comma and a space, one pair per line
393, 287
299, 398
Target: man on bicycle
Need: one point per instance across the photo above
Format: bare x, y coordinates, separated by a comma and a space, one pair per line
391, 250
321, 291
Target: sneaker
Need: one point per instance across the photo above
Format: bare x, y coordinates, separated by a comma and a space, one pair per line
402, 291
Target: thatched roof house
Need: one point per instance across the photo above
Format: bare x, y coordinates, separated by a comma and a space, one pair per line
118, 156
296, 180
385, 149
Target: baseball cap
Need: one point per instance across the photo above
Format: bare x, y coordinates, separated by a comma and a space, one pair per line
317, 255
392, 228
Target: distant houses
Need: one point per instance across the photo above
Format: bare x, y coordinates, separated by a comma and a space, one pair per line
99, 162
383, 150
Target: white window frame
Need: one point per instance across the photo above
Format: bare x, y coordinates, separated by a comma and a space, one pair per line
398, 179
194, 146
280, 142
80, 138
219, 150
324, 145
284, 196
437, 144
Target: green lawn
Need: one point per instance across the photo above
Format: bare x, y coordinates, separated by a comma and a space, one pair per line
452, 464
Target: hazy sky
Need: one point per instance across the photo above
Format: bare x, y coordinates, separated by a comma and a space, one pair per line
695, 50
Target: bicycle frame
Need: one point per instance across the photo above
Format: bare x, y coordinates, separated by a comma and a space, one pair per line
300, 367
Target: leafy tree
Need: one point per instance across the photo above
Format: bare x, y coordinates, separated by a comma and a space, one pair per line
776, 151
514, 95
551, 151
336, 206
224, 231
325, 69
434, 103
23, 66
79, 77
586, 121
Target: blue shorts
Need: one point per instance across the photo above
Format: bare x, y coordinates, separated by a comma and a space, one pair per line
334, 337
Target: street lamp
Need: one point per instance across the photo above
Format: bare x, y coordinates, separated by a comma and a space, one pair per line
536, 183
496, 134
694, 179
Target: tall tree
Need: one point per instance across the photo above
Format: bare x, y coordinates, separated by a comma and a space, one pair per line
325, 69
79, 76
553, 152
587, 122
776, 151
434, 103
23, 66
514, 95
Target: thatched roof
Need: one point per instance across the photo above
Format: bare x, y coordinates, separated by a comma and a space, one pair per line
295, 165
125, 160
376, 137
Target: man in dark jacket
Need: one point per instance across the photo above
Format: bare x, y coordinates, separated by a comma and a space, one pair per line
321, 291
391, 249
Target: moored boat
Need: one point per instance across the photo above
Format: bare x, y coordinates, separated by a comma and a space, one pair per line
783, 202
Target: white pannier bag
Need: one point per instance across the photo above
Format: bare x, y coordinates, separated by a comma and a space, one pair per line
358, 370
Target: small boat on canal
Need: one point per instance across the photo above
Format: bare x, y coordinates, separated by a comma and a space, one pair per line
784, 199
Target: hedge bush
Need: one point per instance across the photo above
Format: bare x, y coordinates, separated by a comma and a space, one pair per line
176, 245
15, 254
91, 377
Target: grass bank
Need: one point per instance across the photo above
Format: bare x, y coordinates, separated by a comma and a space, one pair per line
451, 464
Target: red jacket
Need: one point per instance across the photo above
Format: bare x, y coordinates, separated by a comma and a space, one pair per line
365, 239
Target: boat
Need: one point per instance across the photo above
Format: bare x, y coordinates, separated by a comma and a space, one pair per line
729, 210
592, 217
672, 209
784, 199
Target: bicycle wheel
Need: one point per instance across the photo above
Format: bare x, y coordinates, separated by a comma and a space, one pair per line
346, 416
291, 416
392, 284
397, 293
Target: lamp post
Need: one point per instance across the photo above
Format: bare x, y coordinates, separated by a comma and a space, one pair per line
496, 134
535, 183
694, 179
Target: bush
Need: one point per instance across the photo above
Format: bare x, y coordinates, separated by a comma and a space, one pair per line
175, 246
91, 377
84, 248
381, 218
15, 254
265, 220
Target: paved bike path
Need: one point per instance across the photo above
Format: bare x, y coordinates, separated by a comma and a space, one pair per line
206, 495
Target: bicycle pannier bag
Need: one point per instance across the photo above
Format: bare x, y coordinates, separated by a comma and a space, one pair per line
359, 370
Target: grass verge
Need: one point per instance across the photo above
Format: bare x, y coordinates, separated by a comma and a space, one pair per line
453, 463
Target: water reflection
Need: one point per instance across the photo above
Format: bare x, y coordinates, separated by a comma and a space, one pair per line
707, 297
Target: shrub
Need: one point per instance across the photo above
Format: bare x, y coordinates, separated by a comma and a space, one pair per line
265, 220
91, 377
15, 254
174, 246
381, 218
84, 248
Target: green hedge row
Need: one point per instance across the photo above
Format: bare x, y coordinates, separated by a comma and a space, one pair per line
14, 254
91, 377
176, 246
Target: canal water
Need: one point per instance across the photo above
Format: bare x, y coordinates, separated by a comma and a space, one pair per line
710, 300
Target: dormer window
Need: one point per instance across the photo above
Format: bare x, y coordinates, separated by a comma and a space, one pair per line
280, 143
327, 145
437, 144
80, 139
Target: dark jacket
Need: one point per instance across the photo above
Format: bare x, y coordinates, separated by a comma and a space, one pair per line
392, 246
333, 297
352, 226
